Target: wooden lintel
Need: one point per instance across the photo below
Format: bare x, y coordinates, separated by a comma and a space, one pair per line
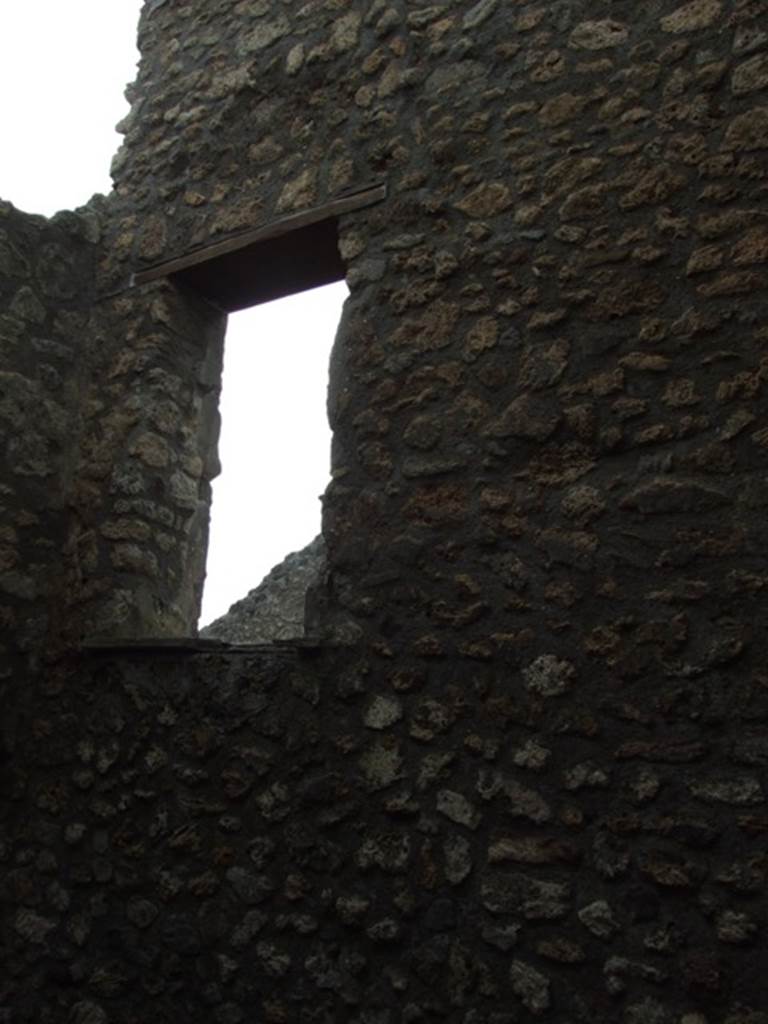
275, 229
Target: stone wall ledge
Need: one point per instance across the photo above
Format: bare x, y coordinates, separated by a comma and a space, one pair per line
194, 645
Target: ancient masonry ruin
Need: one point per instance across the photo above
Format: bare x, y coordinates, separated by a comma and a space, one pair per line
516, 770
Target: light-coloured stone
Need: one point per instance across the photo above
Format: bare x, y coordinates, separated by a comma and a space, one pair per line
549, 676
346, 32
528, 417
295, 59
457, 808
479, 13
599, 35
298, 192
598, 918
458, 859
519, 894
561, 109
530, 850
389, 851
649, 1011
532, 755
691, 16
523, 801
264, 34
381, 765
735, 927
531, 986
752, 248
747, 132
736, 789
749, 38
481, 337
486, 200
383, 712
750, 76
586, 775
708, 257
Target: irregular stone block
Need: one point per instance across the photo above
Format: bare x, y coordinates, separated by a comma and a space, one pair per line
695, 15
599, 35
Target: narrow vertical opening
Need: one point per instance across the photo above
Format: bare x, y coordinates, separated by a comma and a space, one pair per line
274, 451
269, 353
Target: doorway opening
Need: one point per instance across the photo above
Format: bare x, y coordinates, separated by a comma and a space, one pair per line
293, 257
274, 450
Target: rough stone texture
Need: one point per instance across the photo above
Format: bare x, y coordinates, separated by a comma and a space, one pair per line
275, 609
46, 275
526, 779
203, 833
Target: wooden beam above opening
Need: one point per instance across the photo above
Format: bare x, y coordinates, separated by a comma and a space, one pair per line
280, 258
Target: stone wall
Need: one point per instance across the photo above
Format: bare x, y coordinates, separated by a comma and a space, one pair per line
546, 377
336, 837
553, 344
110, 405
146, 460
46, 274
528, 781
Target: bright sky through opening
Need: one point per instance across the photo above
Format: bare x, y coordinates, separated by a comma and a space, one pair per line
275, 440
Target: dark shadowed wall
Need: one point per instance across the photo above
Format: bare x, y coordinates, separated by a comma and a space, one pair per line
519, 774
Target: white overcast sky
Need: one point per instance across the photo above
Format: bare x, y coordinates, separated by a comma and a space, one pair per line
64, 65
